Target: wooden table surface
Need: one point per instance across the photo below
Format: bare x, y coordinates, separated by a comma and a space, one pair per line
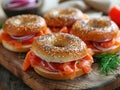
8, 81
13, 62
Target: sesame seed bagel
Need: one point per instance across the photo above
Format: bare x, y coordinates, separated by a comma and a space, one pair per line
23, 25
95, 29
59, 47
112, 50
10, 47
63, 17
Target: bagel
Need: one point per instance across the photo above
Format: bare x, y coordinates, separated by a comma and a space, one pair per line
57, 47
22, 25
99, 33
63, 17
112, 50
55, 75
20, 31
23, 48
54, 58
97, 30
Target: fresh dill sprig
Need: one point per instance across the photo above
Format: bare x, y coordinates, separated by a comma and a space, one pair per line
20, 40
0, 25
108, 62
22, 55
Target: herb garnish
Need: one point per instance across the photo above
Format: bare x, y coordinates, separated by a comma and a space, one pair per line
20, 40
108, 62
22, 55
0, 25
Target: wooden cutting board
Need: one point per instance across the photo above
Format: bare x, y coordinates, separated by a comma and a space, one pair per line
13, 62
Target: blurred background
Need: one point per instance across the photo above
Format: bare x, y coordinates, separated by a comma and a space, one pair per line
93, 8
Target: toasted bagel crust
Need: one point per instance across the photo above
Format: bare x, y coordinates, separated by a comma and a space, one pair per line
23, 25
1, 31
115, 50
55, 75
97, 30
59, 47
11, 47
63, 17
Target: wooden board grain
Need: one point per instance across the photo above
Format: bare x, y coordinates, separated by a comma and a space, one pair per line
13, 62
8, 81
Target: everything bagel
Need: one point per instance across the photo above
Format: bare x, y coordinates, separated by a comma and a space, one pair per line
59, 56
23, 25
63, 17
20, 31
64, 47
100, 34
98, 30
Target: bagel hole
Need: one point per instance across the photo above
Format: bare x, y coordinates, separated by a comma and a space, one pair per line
28, 20
98, 23
60, 43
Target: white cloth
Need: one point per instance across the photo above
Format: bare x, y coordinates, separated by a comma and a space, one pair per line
2, 14
84, 5
102, 5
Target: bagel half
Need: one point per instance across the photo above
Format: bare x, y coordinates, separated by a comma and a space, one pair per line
10, 47
115, 50
98, 30
22, 25
63, 17
55, 75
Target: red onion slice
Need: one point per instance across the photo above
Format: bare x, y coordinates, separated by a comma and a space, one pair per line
21, 3
30, 4
67, 67
97, 46
106, 40
51, 67
43, 64
16, 5
23, 38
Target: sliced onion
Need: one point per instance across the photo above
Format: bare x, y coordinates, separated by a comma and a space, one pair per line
51, 67
43, 64
30, 4
86, 63
106, 40
75, 65
16, 5
21, 3
23, 38
97, 46
67, 67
